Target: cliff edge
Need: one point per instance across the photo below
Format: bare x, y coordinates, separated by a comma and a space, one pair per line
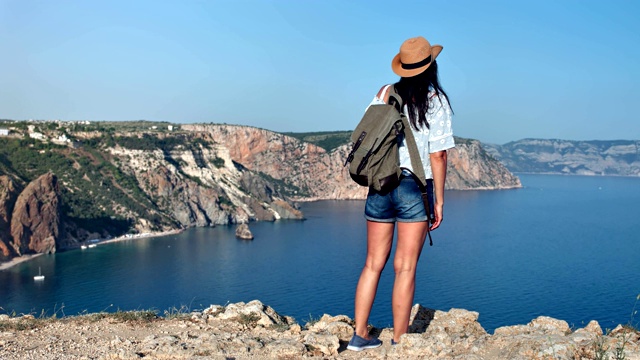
256, 331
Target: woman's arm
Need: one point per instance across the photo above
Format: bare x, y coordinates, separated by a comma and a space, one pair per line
439, 169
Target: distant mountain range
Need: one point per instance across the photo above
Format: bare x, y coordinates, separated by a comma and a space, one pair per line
553, 156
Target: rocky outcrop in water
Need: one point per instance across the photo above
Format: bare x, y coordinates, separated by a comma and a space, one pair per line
552, 156
256, 331
243, 232
36, 217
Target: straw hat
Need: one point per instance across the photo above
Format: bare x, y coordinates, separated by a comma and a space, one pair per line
415, 56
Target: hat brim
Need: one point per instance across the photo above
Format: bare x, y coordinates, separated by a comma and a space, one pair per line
396, 65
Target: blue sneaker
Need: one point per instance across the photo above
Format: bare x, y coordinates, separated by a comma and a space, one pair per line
358, 343
394, 343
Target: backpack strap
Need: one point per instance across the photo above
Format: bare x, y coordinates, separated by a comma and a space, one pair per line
383, 94
416, 161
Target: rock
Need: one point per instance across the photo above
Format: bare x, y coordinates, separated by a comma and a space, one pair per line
512, 330
213, 310
340, 329
593, 327
295, 329
540, 325
420, 318
243, 232
451, 335
285, 210
286, 349
416, 345
327, 344
252, 313
455, 332
36, 217
549, 325
456, 323
587, 333
339, 326
8, 196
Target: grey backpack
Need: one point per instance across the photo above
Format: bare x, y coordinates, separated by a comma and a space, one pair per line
374, 160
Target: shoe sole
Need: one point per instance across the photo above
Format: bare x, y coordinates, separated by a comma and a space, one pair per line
360, 348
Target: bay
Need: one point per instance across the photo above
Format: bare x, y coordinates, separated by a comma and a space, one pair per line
562, 246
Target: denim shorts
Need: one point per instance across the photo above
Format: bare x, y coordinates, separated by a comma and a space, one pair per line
403, 204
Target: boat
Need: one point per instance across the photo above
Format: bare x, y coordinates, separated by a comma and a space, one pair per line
83, 247
92, 245
39, 277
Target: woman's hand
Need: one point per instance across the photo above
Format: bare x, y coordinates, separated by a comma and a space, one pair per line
437, 210
439, 168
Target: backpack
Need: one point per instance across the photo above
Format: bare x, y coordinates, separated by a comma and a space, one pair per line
374, 160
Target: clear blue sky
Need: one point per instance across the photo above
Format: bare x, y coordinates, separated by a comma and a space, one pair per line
564, 69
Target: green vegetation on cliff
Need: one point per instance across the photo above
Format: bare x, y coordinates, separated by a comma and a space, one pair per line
327, 140
92, 186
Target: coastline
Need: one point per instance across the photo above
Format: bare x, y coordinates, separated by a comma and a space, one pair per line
20, 259
138, 236
17, 260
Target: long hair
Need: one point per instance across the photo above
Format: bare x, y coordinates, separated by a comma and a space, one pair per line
414, 92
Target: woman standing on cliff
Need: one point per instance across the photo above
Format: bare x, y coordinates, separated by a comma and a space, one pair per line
429, 112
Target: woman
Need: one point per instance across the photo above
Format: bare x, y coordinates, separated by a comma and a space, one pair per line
427, 106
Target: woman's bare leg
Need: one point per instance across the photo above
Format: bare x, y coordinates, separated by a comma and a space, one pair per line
410, 242
379, 240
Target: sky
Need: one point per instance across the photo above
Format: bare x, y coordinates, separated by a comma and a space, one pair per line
548, 69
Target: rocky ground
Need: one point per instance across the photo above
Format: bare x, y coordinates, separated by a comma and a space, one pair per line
256, 331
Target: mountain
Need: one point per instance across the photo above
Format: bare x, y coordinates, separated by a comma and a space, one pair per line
64, 183
552, 156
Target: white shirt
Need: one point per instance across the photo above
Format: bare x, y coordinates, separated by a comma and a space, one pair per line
438, 137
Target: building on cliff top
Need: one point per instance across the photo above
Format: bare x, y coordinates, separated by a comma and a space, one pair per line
4, 132
37, 135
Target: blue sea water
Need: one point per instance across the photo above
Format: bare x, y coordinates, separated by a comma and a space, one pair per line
562, 246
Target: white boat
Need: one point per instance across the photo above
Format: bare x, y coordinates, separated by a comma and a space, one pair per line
39, 277
92, 245
83, 247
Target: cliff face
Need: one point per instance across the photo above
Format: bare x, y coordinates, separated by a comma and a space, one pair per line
203, 187
8, 197
304, 171
471, 167
36, 217
550, 156
315, 174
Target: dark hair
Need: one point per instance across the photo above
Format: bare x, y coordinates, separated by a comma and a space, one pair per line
414, 92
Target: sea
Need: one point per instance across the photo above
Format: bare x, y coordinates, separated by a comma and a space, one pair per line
562, 246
